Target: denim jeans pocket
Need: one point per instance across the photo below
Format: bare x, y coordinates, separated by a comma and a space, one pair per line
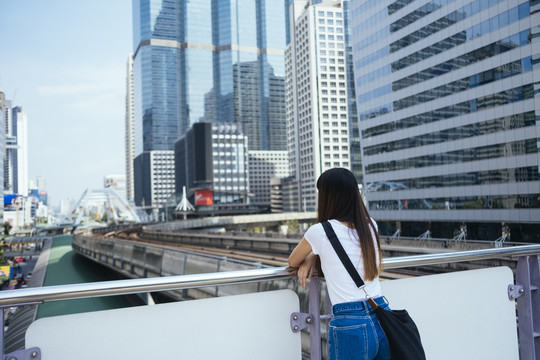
349, 342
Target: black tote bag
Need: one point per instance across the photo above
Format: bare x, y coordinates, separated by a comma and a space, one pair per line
399, 328
401, 333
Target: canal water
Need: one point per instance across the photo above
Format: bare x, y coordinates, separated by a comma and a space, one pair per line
67, 267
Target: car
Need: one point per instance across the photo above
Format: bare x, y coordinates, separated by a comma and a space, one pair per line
19, 259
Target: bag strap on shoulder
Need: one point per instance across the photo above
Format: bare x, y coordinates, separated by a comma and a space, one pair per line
330, 233
342, 254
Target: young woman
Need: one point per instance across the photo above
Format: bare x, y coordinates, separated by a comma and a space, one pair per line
354, 332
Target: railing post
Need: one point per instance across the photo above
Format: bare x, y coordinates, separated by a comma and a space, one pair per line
315, 311
528, 306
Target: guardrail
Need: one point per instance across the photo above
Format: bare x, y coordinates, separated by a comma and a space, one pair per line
131, 286
525, 287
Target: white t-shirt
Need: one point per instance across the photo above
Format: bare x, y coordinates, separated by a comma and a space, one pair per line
341, 286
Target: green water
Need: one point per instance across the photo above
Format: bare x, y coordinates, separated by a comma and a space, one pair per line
67, 267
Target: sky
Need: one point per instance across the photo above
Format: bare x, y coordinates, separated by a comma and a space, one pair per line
64, 62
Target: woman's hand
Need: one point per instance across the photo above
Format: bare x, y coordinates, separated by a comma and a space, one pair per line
307, 268
303, 262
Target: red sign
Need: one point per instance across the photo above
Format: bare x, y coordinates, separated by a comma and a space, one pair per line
204, 197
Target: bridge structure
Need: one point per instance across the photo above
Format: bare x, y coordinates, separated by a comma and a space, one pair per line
104, 201
190, 260
284, 314
235, 221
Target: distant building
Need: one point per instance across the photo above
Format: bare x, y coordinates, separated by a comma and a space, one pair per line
291, 194
130, 131
212, 163
38, 189
263, 166
67, 206
20, 211
44, 198
117, 182
41, 182
284, 195
154, 178
2, 151
320, 116
276, 195
449, 108
208, 61
16, 161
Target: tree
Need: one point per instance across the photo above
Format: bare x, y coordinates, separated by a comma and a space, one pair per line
294, 226
7, 228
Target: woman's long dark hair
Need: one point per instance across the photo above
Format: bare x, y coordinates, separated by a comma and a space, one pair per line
339, 198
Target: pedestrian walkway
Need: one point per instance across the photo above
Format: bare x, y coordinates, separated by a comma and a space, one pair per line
67, 267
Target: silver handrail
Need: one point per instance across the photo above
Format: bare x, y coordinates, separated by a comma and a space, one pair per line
458, 256
131, 286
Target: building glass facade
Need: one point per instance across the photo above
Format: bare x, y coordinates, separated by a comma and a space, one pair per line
16, 150
449, 114
195, 58
209, 61
2, 153
129, 132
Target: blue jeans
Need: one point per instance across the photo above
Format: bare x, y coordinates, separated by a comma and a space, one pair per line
355, 332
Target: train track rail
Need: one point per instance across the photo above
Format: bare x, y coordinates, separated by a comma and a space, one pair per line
271, 259
274, 250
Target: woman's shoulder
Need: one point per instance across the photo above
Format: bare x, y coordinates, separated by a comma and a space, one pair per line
315, 227
314, 234
320, 228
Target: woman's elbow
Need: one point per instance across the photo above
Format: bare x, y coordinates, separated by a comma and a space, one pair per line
299, 253
294, 262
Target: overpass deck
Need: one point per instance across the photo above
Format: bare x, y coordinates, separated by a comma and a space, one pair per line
65, 267
123, 335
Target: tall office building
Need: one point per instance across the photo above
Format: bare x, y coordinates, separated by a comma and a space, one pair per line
16, 161
2, 152
130, 135
8, 153
447, 93
207, 60
318, 87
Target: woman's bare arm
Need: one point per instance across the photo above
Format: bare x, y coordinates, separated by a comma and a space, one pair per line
300, 252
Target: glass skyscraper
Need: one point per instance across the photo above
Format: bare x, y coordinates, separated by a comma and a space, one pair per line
209, 60
2, 154
449, 114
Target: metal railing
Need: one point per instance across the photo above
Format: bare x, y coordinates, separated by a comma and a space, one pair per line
30, 296
132, 286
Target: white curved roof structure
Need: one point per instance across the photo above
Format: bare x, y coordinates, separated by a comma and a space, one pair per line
102, 201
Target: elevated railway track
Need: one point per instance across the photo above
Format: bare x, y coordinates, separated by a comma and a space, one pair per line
272, 249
